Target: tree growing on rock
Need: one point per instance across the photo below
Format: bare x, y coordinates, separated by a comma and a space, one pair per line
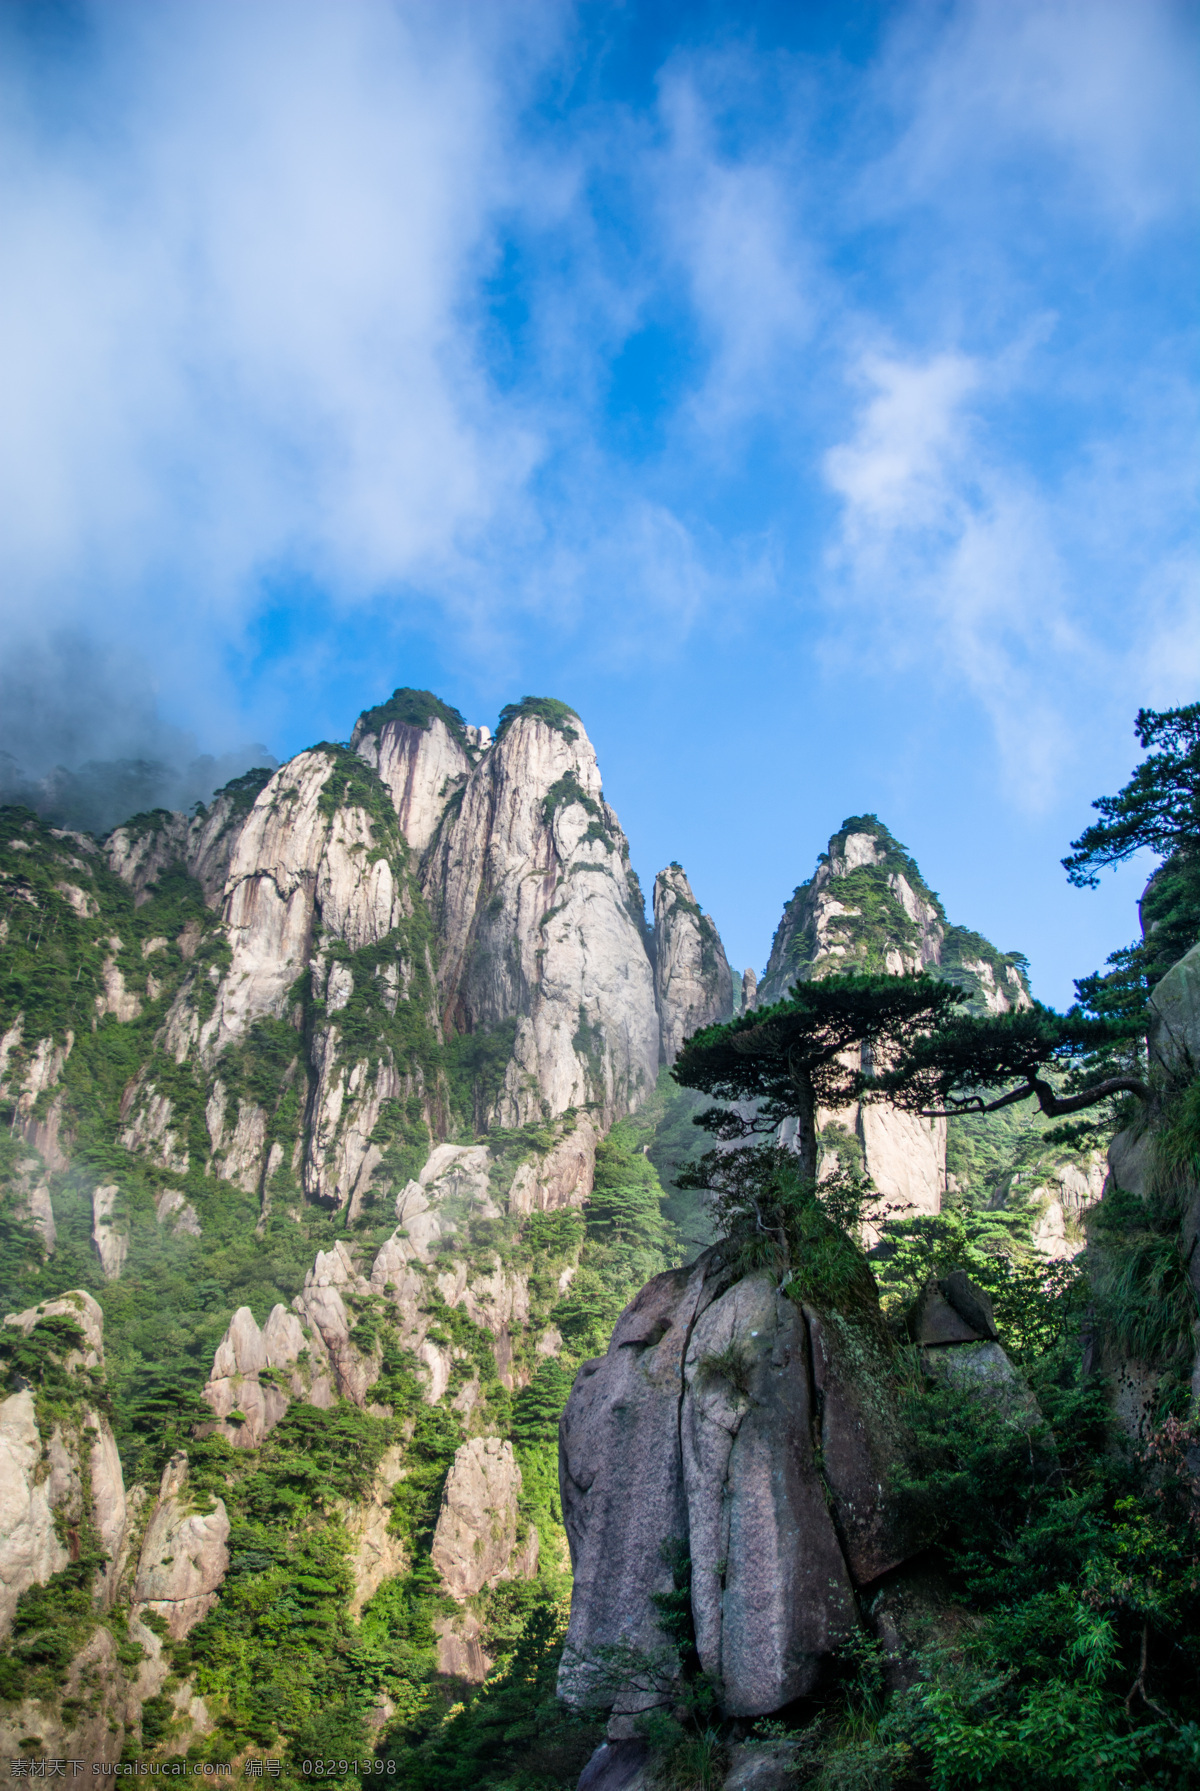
783, 1062
1158, 810
979, 1063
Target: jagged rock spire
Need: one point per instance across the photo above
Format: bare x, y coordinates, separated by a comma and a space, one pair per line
693, 984
540, 921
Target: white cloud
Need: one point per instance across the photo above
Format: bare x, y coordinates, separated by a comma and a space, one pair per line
1065, 102
734, 227
238, 316
243, 331
1055, 604
946, 562
895, 470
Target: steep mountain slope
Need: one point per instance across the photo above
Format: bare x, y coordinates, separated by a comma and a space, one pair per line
868, 907
307, 1092
541, 924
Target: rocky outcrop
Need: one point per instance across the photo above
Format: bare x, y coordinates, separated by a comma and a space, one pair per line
238, 1138
30, 1547
693, 984
376, 1552
534, 900
152, 1129
423, 763
953, 1324
51, 1484
87, 1722
1059, 1191
561, 1176
743, 1445
297, 859
256, 1375
1135, 1166
867, 907
1174, 1031
318, 896
109, 1234
754, 1436
475, 1543
184, 1557
311, 1353
29, 1069
33, 1202
203, 843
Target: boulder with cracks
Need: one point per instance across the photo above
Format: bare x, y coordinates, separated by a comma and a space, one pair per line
737, 1435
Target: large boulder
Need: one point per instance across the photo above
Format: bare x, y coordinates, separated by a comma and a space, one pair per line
771, 1589
734, 1428
620, 1469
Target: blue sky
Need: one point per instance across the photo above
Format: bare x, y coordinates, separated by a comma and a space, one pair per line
806, 393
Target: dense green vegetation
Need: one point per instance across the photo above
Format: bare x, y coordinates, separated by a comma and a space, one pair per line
555, 714
414, 709
285, 1661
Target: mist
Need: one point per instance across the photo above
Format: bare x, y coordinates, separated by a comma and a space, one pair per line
82, 740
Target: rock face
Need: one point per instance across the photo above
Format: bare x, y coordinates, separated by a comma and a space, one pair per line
299, 862
346, 875
533, 897
1173, 1039
743, 1445
424, 764
1175, 1017
1062, 1193
50, 1483
202, 843
184, 1558
867, 907
475, 1542
109, 1236
30, 1548
387, 902
752, 1434
310, 1352
376, 1553
693, 983
249, 1403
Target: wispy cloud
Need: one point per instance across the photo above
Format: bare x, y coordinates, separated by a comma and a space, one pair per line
1071, 103
296, 290
240, 318
734, 226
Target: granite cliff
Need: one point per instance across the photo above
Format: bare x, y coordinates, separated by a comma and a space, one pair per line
344, 1104
355, 1039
